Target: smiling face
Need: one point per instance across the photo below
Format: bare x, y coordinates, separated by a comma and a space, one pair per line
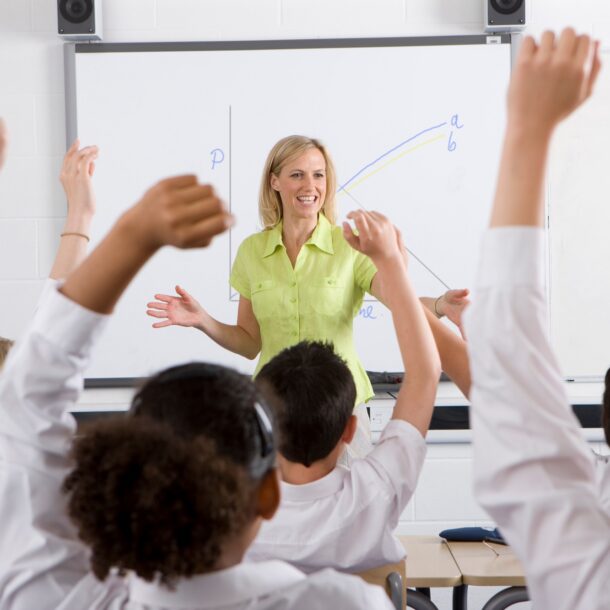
301, 184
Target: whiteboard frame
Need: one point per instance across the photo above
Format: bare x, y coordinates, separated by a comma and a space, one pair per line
71, 49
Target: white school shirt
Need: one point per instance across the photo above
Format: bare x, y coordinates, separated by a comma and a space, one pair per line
602, 472
346, 519
534, 473
43, 565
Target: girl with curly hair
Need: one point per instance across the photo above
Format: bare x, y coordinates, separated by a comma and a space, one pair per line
154, 510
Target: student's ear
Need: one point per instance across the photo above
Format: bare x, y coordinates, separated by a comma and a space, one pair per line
350, 429
269, 494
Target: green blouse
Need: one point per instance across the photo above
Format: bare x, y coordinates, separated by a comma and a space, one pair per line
316, 300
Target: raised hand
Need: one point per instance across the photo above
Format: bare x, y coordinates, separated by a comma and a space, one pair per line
75, 176
178, 212
181, 310
377, 237
551, 79
452, 304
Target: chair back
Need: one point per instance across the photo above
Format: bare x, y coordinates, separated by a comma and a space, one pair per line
393, 578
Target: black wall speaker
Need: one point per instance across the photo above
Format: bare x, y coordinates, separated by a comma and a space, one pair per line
79, 19
504, 15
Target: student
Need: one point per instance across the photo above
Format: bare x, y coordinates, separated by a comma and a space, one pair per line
331, 515
534, 473
154, 510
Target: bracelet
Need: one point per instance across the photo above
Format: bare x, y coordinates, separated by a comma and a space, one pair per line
436, 312
77, 235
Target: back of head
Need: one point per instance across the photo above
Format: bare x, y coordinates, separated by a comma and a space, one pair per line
316, 393
5, 346
161, 491
606, 407
287, 149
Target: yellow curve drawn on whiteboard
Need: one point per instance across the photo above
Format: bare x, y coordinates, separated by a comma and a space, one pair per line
393, 160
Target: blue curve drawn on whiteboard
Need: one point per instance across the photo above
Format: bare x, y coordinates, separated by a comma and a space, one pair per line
388, 152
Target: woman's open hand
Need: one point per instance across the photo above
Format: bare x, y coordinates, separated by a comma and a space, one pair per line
181, 310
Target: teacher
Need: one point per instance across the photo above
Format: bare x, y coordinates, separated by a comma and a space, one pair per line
298, 278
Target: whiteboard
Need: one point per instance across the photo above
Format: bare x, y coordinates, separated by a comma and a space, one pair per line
414, 126
579, 234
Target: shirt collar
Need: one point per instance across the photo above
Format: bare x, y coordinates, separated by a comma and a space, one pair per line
328, 485
228, 587
274, 239
321, 237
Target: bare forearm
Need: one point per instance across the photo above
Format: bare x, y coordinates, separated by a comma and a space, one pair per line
230, 336
428, 303
102, 278
72, 249
453, 353
519, 195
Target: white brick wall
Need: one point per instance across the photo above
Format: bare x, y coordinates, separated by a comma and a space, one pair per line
31, 99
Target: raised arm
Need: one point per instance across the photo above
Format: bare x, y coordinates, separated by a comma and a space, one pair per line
379, 239
451, 304
42, 561
76, 179
176, 211
533, 472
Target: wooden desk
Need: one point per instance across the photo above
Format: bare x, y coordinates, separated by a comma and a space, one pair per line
433, 562
479, 564
488, 565
430, 563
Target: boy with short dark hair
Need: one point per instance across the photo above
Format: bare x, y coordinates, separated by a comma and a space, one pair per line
331, 515
317, 394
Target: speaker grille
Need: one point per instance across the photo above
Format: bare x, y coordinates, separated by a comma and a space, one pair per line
506, 7
76, 11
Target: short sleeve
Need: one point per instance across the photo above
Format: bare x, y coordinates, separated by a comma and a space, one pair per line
239, 272
364, 271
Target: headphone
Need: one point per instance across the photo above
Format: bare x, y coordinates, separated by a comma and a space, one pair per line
264, 457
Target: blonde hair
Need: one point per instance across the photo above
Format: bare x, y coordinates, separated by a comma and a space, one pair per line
5, 346
269, 200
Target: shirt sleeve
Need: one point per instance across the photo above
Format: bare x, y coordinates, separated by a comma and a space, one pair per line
41, 559
364, 271
534, 473
397, 460
239, 274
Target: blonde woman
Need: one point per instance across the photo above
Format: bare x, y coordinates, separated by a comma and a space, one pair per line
299, 279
